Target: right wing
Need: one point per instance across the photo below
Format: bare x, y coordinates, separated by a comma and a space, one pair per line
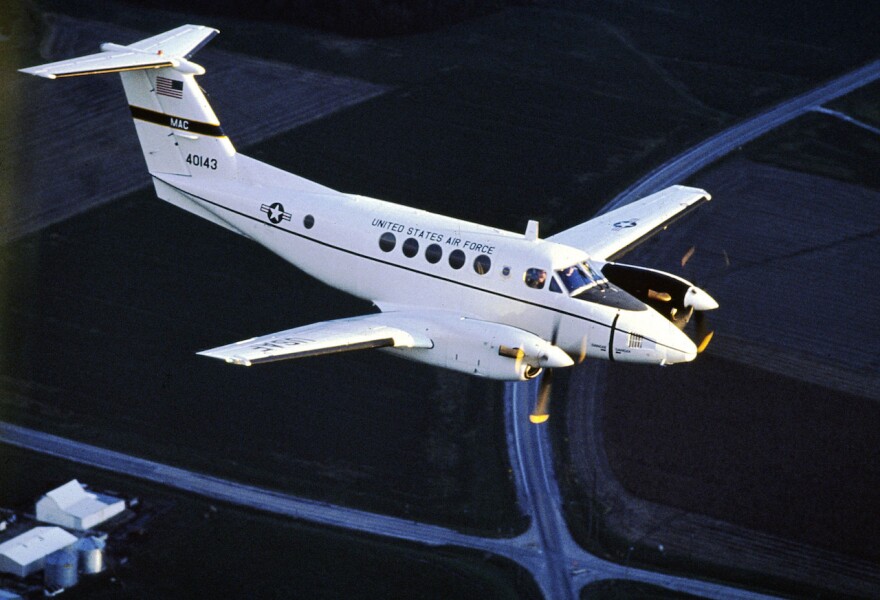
380, 330
613, 234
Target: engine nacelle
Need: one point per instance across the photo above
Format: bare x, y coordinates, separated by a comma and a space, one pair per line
668, 294
487, 349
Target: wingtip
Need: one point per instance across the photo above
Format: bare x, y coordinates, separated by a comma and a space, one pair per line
231, 360
36, 72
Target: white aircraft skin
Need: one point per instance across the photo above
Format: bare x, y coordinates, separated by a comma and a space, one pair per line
484, 320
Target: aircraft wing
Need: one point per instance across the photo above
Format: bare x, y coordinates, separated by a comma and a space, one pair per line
613, 234
381, 330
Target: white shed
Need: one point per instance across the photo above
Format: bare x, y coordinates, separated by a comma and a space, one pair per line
25, 553
72, 506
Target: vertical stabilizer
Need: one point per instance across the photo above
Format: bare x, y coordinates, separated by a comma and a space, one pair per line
178, 130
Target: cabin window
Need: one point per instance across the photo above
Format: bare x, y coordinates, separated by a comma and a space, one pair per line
309, 222
535, 278
387, 242
456, 259
433, 253
410, 247
482, 264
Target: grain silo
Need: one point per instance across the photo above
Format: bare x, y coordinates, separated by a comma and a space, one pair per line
91, 555
61, 570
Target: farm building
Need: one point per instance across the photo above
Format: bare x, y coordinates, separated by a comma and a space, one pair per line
25, 553
73, 507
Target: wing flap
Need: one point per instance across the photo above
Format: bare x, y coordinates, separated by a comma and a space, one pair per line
382, 330
613, 234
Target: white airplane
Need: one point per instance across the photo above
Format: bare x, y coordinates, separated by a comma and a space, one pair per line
450, 293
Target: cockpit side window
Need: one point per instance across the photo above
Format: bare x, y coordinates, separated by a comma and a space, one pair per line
554, 286
535, 278
596, 276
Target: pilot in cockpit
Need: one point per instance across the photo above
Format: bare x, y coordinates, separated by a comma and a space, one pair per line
574, 279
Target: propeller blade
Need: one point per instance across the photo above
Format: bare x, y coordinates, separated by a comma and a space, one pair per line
661, 296
687, 255
702, 335
542, 406
705, 342
681, 320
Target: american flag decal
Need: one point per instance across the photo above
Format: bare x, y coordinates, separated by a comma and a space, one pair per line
169, 87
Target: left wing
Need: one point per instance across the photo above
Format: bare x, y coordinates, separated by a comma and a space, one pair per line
610, 236
381, 330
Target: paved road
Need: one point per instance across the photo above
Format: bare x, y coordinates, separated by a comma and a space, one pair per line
568, 567
259, 498
692, 160
847, 118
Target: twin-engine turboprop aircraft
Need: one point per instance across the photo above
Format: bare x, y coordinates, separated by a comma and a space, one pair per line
450, 293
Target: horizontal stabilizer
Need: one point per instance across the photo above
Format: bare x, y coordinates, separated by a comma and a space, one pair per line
169, 49
382, 330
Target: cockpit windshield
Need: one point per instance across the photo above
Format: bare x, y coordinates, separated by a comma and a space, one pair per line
587, 284
579, 277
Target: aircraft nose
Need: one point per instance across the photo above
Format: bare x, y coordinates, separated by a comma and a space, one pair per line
679, 349
674, 344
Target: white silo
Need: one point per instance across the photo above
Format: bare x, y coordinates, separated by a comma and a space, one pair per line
91, 555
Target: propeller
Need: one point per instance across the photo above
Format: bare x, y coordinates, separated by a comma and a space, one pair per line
542, 406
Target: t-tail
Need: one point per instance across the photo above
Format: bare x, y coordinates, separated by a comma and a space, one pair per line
179, 133
178, 130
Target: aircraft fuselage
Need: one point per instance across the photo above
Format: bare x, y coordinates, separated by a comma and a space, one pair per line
402, 258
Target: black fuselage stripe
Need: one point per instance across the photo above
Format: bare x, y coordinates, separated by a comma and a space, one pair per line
611, 338
179, 123
391, 264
